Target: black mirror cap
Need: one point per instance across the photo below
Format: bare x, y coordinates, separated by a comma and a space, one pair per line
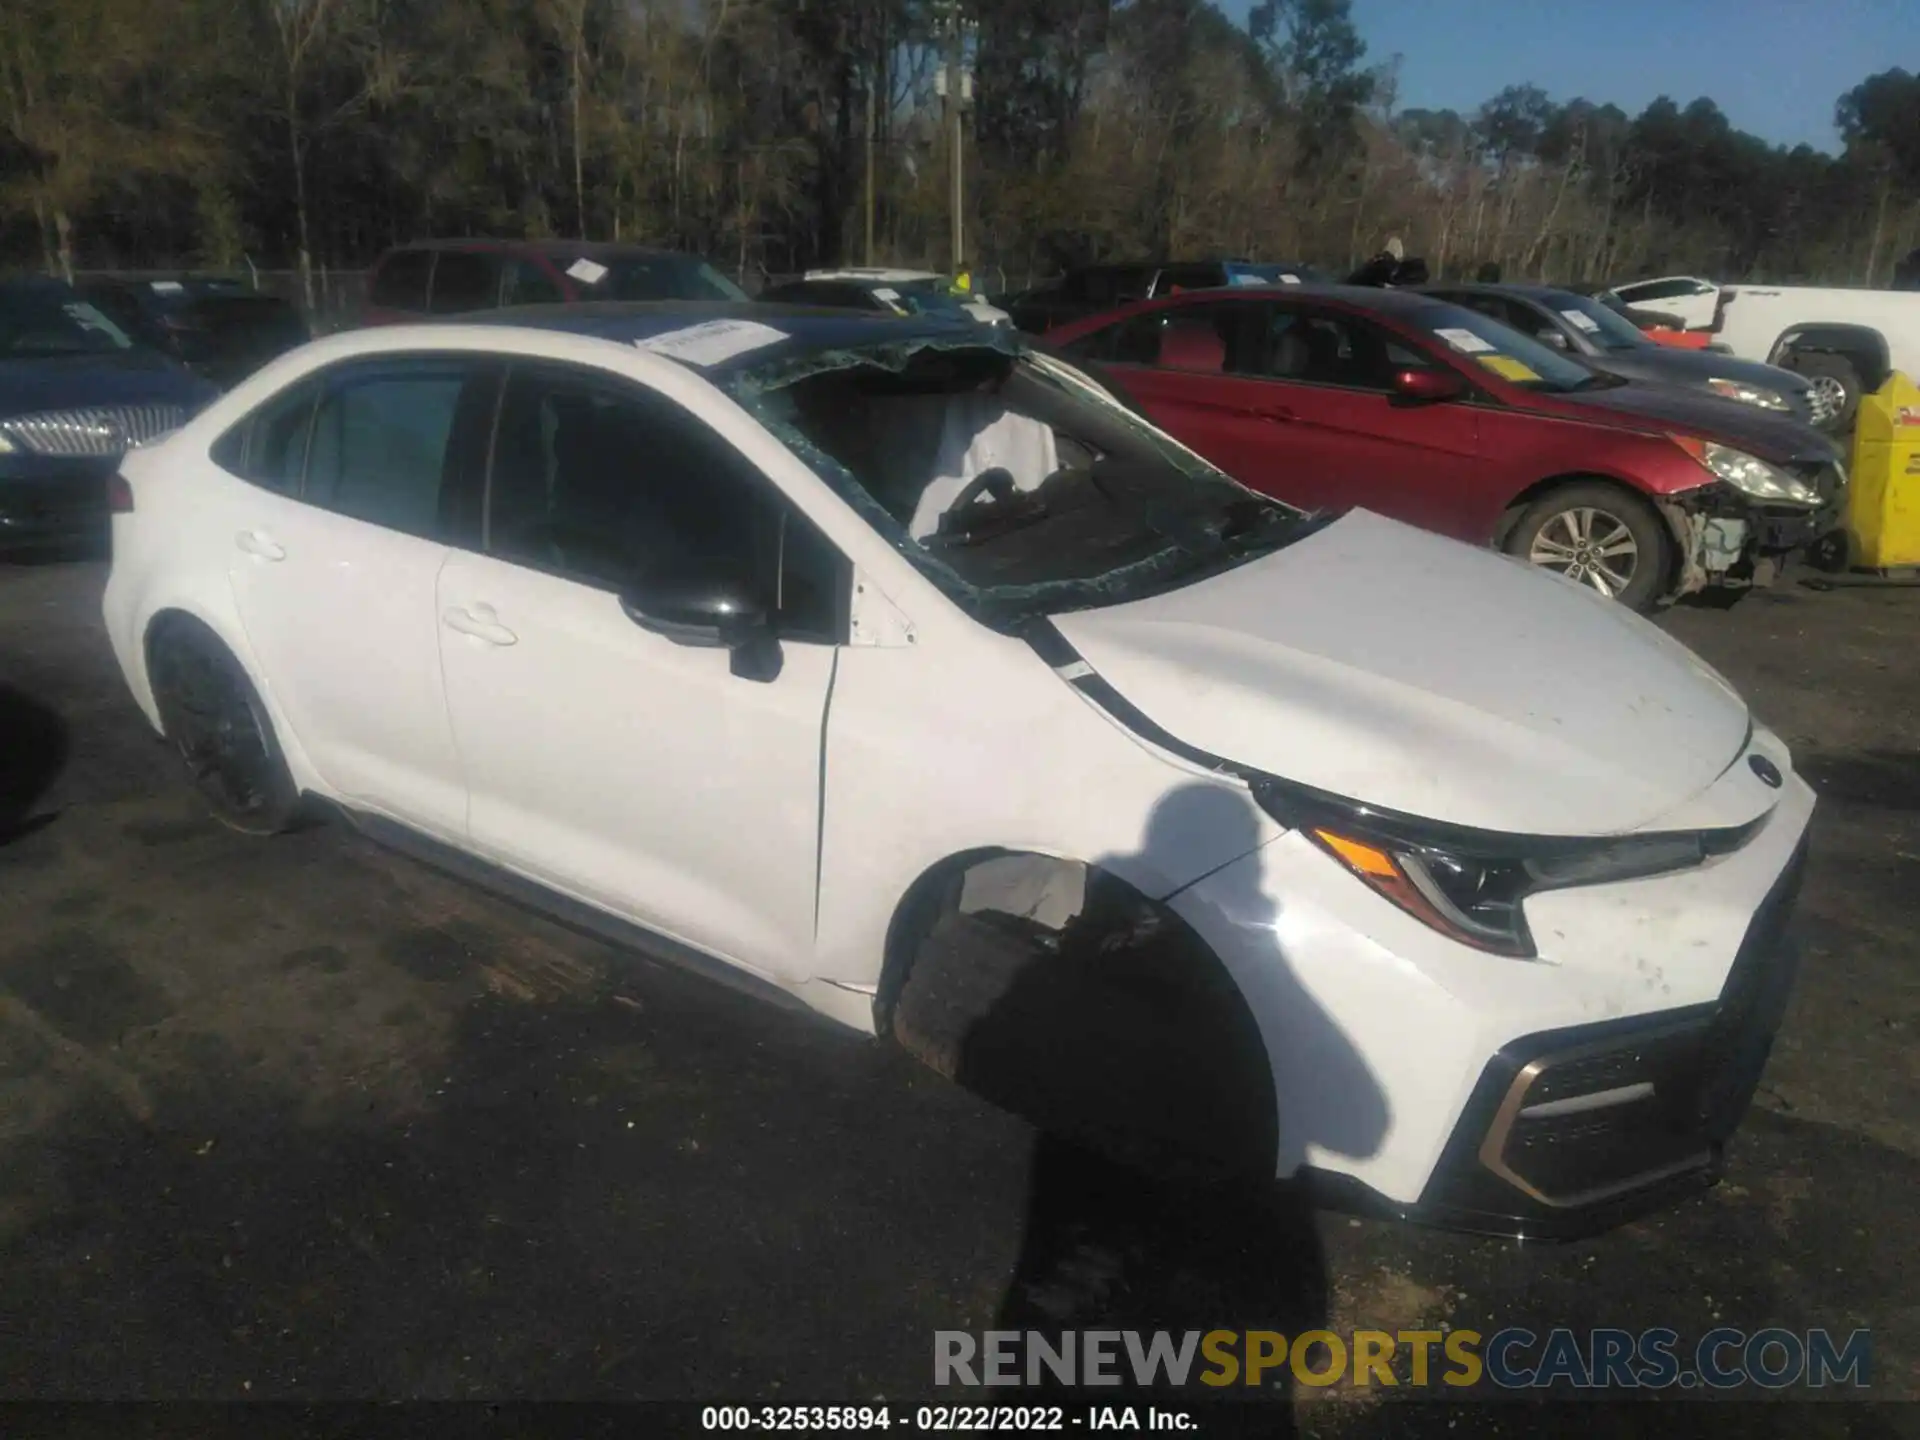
708, 610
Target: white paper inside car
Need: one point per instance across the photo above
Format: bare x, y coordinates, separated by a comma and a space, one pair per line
977, 432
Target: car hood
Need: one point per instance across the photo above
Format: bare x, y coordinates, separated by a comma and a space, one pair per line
1418, 674
122, 377
1765, 433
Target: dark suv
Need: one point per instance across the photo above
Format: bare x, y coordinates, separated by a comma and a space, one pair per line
1090, 289
454, 277
215, 325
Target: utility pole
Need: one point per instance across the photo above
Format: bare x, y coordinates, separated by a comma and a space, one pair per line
955, 84
873, 84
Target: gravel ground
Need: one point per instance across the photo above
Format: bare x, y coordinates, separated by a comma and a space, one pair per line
303, 1119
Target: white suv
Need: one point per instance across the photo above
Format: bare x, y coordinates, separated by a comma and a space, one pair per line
889, 668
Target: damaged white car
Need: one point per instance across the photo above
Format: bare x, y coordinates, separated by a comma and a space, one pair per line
883, 666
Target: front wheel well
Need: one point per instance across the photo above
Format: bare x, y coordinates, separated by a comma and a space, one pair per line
1521, 503
1863, 345
1059, 992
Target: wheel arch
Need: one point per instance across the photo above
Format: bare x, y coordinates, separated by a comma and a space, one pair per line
1099, 916
228, 634
1862, 344
1519, 504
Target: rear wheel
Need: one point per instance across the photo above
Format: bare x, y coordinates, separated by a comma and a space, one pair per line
1599, 535
216, 721
1836, 386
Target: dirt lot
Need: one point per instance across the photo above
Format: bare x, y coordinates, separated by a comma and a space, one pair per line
304, 1119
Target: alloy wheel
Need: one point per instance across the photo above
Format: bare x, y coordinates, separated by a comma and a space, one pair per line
1588, 545
1827, 397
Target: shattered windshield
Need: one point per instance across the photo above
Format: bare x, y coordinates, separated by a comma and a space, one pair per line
1014, 482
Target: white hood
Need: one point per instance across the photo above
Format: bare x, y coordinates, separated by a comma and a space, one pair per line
1396, 667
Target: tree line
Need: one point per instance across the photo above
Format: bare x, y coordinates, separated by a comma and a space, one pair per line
770, 135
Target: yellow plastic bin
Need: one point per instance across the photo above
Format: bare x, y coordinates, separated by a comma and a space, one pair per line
1883, 492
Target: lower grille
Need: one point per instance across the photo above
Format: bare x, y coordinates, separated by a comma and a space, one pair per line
95, 430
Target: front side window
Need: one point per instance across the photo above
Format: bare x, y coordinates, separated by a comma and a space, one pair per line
652, 277
604, 482
1323, 348
1016, 483
382, 440
1601, 324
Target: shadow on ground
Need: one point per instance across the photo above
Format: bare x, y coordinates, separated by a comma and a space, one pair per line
33, 751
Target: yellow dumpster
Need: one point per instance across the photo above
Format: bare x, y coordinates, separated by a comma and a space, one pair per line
1883, 493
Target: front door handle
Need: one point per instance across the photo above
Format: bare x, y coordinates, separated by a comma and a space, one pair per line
478, 622
260, 545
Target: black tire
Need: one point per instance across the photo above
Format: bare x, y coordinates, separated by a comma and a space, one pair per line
1602, 513
1837, 370
215, 720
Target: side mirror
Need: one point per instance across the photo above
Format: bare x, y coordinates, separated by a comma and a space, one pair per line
1554, 338
707, 611
1427, 387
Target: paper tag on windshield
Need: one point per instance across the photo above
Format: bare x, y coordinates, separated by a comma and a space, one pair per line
587, 272
1465, 341
1242, 277
1508, 368
887, 295
167, 287
1580, 320
713, 342
1289, 279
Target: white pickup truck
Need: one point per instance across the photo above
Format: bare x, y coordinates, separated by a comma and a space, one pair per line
1845, 341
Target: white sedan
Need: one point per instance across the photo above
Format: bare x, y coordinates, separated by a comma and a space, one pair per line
884, 667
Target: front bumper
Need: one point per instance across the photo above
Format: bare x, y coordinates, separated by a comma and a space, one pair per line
1729, 539
1415, 1076
46, 503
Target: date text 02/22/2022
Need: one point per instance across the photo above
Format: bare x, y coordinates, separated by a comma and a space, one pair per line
936, 1419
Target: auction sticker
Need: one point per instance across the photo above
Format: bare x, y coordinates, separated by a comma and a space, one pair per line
587, 272
1580, 320
713, 342
1465, 341
1508, 368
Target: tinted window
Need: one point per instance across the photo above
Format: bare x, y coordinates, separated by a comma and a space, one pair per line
1659, 290
603, 482
656, 277
529, 284
380, 442
269, 447
44, 318
402, 281
1189, 277
1327, 349
465, 281
1498, 307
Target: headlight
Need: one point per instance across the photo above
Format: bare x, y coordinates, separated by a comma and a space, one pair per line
6, 445
1469, 884
1750, 394
1749, 473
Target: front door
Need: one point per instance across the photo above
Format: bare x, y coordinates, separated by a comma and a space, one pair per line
639, 775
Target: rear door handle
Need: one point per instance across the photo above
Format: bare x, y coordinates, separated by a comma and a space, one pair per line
478, 622
262, 546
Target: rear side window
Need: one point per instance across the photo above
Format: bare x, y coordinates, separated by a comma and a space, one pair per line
269, 447
382, 439
1189, 277
402, 281
599, 481
465, 281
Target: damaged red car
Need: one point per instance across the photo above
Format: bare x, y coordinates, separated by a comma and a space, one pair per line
1334, 397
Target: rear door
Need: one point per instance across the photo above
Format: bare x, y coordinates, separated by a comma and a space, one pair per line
361, 479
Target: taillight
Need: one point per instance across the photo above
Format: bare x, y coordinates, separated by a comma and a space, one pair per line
119, 495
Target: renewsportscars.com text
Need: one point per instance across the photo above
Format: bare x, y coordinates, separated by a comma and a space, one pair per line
1512, 1358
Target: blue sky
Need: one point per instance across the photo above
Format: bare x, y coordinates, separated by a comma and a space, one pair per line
1774, 66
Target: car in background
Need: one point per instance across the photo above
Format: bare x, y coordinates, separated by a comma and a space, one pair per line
1606, 340
1435, 414
880, 666
217, 326
1092, 289
1687, 298
892, 292
459, 277
75, 392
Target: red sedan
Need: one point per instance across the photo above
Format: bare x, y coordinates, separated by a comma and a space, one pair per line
1434, 414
